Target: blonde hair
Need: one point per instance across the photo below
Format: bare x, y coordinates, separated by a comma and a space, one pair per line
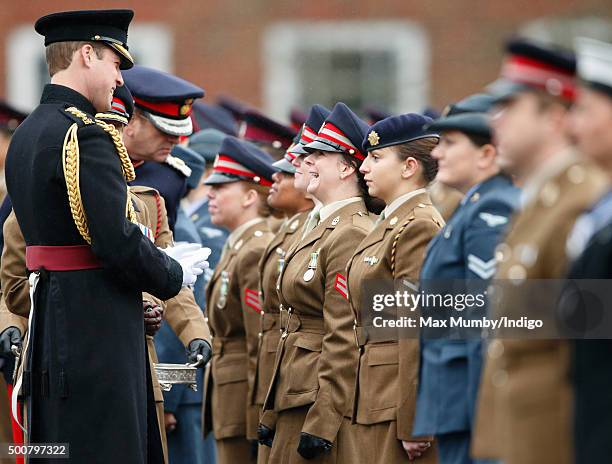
59, 54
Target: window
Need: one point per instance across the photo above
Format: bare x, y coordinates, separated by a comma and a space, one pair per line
381, 63
150, 45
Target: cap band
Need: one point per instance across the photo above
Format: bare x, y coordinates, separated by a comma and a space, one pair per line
171, 110
227, 165
553, 80
308, 135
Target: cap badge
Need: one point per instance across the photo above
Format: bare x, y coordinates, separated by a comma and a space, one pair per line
373, 138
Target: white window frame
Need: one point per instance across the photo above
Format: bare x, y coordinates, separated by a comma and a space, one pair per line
282, 43
152, 41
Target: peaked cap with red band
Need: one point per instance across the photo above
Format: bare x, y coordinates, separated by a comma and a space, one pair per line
316, 117
166, 99
530, 65
285, 164
342, 132
258, 128
241, 160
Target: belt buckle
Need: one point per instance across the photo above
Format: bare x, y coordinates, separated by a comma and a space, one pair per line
286, 330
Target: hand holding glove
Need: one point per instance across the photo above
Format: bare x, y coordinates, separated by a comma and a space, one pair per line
265, 435
199, 352
9, 337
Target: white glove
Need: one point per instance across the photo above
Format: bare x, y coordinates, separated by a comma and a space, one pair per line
193, 260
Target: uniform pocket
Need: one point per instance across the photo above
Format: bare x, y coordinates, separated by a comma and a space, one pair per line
229, 391
382, 377
304, 359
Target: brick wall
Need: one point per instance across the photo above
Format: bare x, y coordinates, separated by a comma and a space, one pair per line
218, 42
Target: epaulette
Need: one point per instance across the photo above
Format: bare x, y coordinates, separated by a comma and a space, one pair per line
362, 220
179, 165
77, 116
143, 189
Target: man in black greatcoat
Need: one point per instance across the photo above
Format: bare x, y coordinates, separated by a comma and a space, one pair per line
85, 378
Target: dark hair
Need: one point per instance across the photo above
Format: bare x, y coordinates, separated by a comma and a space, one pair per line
373, 205
479, 140
420, 150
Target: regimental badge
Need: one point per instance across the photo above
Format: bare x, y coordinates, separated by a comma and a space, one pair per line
335, 221
223, 290
238, 245
294, 225
371, 260
393, 220
312, 266
373, 138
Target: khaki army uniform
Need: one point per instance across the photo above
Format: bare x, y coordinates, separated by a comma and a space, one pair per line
446, 199
524, 414
181, 312
269, 336
234, 312
314, 370
385, 392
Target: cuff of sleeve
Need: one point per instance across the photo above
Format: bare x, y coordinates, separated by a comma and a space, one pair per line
268, 418
175, 280
323, 420
252, 421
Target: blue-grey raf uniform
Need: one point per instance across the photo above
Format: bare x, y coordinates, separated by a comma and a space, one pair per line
463, 251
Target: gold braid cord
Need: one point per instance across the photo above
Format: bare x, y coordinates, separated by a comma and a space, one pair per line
395, 240
70, 163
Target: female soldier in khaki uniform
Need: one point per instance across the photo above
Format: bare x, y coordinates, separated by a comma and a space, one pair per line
239, 184
313, 374
397, 170
295, 205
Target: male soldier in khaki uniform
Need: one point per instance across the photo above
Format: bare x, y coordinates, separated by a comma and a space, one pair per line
239, 185
524, 412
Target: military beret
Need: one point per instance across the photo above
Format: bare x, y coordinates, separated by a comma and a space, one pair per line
209, 116
342, 132
468, 123
107, 26
396, 130
257, 127
239, 160
166, 99
122, 107
316, 118
477, 103
193, 160
10, 117
207, 143
531, 65
595, 64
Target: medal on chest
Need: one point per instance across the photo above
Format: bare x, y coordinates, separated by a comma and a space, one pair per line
312, 266
222, 301
146, 232
371, 260
280, 264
